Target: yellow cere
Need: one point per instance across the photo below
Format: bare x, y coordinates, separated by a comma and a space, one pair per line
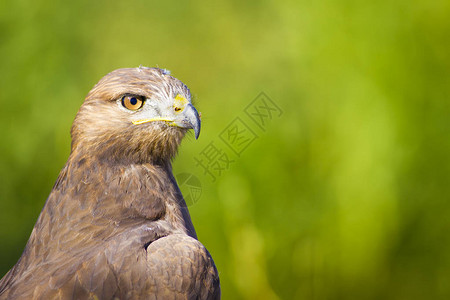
179, 103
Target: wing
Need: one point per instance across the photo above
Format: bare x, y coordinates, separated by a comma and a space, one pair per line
74, 254
192, 268
136, 264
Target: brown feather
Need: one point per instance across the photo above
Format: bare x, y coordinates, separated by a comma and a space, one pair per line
115, 224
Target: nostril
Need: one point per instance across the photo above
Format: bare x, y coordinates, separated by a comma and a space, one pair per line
177, 109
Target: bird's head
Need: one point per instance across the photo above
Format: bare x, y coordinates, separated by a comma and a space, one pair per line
135, 115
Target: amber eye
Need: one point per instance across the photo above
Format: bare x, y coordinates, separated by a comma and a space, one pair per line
132, 102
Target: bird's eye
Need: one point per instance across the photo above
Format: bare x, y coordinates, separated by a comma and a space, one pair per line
132, 102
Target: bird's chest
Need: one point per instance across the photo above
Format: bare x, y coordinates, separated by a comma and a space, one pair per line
134, 192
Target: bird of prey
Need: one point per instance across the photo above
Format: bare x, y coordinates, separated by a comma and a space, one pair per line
115, 225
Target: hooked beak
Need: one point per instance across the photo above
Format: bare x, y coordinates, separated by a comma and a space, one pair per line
186, 117
189, 118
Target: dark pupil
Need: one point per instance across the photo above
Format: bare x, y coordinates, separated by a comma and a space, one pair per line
133, 101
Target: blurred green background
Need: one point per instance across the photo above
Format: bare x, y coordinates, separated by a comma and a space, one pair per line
346, 195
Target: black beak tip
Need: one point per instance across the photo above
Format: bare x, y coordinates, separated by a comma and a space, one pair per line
191, 119
197, 132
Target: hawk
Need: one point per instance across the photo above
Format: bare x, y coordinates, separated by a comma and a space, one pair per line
115, 225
